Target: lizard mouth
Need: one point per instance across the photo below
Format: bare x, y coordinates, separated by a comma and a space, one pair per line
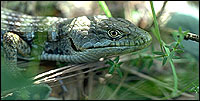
140, 42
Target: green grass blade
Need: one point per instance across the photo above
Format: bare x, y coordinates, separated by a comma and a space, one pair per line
105, 8
162, 44
157, 32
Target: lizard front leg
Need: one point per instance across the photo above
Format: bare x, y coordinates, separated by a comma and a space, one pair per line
14, 45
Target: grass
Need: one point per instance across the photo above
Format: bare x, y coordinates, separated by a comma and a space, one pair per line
165, 49
105, 8
156, 33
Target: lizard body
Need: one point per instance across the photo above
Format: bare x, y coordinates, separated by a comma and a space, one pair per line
76, 40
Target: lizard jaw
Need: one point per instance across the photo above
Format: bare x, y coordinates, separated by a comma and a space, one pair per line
141, 41
94, 54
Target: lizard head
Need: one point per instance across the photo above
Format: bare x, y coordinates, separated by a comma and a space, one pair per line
100, 36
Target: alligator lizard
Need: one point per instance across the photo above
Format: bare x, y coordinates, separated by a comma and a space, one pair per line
76, 40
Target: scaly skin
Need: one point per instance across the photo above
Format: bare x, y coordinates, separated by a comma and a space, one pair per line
77, 40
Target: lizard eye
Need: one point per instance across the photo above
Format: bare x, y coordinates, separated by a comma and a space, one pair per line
114, 34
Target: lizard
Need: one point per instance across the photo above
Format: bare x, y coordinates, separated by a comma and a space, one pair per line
75, 40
